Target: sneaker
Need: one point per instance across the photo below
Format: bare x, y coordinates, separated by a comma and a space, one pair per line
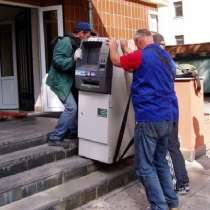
187, 187
181, 191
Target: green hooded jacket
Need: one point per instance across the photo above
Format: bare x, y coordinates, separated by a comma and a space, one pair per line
60, 76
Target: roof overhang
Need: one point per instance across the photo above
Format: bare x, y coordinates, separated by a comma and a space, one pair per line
189, 50
159, 3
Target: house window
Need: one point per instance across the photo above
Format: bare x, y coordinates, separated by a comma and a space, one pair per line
153, 21
178, 9
179, 39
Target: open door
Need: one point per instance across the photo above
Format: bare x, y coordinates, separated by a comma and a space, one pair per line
8, 67
51, 26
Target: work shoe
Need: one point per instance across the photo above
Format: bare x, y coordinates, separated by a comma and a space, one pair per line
51, 137
71, 135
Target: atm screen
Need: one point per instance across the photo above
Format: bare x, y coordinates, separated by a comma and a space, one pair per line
93, 56
93, 52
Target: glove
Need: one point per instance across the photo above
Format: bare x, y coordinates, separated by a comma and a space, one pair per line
78, 54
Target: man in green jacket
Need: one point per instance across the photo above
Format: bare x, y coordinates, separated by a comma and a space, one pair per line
60, 80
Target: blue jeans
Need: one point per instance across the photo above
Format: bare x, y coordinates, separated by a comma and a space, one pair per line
67, 120
151, 146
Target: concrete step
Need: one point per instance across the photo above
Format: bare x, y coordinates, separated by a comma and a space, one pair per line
22, 134
77, 192
26, 159
24, 184
12, 145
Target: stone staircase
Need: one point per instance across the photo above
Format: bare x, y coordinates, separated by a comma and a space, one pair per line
35, 176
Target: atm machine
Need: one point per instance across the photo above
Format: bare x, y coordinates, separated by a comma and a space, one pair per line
103, 96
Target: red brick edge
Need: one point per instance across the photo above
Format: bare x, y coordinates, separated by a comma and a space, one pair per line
16, 115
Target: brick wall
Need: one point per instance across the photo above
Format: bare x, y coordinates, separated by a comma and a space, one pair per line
74, 11
114, 18
120, 18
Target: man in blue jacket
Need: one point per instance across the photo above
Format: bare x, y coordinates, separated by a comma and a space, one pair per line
60, 80
156, 110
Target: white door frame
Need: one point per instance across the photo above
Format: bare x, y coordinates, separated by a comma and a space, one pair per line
14, 56
46, 90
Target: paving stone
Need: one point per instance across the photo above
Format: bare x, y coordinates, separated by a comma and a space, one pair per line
205, 191
196, 184
200, 203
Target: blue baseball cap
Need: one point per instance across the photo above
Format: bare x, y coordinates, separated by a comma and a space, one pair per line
82, 26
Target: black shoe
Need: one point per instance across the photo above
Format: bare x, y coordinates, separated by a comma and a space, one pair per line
71, 136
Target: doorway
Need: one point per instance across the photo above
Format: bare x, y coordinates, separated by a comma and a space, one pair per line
16, 69
8, 67
32, 31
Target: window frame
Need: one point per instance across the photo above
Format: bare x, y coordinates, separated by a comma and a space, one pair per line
177, 8
179, 39
153, 13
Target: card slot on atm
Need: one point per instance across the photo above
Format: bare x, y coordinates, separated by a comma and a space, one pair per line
86, 82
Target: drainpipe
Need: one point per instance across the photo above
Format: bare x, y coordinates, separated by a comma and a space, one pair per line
90, 12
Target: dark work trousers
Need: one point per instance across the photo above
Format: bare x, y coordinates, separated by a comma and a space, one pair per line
177, 158
75, 92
